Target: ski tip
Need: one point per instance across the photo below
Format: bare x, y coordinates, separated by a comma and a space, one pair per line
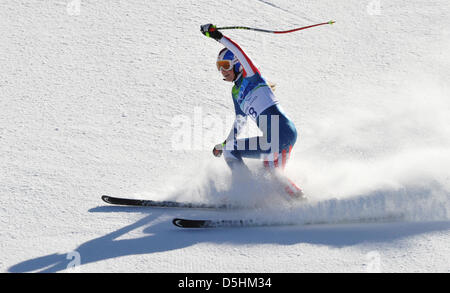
185, 223
177, 222
331, 22
106, 198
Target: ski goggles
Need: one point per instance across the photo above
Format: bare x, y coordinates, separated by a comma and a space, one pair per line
224, 65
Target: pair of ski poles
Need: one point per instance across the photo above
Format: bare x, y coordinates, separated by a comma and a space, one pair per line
274, 32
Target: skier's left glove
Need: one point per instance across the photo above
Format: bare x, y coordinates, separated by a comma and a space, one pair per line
218, 149
211, 31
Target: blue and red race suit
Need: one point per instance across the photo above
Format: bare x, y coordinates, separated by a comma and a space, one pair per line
253, 97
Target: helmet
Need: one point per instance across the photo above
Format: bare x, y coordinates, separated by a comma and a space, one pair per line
227, 55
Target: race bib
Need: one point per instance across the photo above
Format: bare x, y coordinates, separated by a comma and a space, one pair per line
257, 101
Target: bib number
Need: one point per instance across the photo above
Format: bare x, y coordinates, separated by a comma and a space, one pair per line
252, 113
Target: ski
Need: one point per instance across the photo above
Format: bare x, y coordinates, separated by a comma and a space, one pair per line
188, 223
162, 204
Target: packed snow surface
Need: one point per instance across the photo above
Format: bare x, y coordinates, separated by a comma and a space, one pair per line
123, 98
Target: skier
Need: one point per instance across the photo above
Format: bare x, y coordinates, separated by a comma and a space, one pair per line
254, 98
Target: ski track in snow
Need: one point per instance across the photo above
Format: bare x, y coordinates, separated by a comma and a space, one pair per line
92, 97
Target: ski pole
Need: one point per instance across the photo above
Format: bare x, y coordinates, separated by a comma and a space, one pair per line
273, 32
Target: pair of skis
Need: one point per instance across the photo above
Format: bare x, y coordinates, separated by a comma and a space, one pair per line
190, 223
184, 223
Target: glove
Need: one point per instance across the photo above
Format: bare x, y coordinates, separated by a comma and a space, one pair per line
210, 30
218, 149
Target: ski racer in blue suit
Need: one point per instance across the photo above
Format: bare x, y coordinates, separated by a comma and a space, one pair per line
254, 98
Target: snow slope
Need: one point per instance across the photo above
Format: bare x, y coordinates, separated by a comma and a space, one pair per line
123, 98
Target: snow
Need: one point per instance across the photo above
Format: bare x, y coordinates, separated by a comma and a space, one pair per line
124, 99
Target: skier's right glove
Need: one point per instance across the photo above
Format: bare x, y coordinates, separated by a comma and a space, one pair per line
218, 149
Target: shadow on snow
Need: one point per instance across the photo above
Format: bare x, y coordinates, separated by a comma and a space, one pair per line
163, 236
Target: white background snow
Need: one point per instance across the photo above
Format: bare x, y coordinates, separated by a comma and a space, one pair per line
94, 96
